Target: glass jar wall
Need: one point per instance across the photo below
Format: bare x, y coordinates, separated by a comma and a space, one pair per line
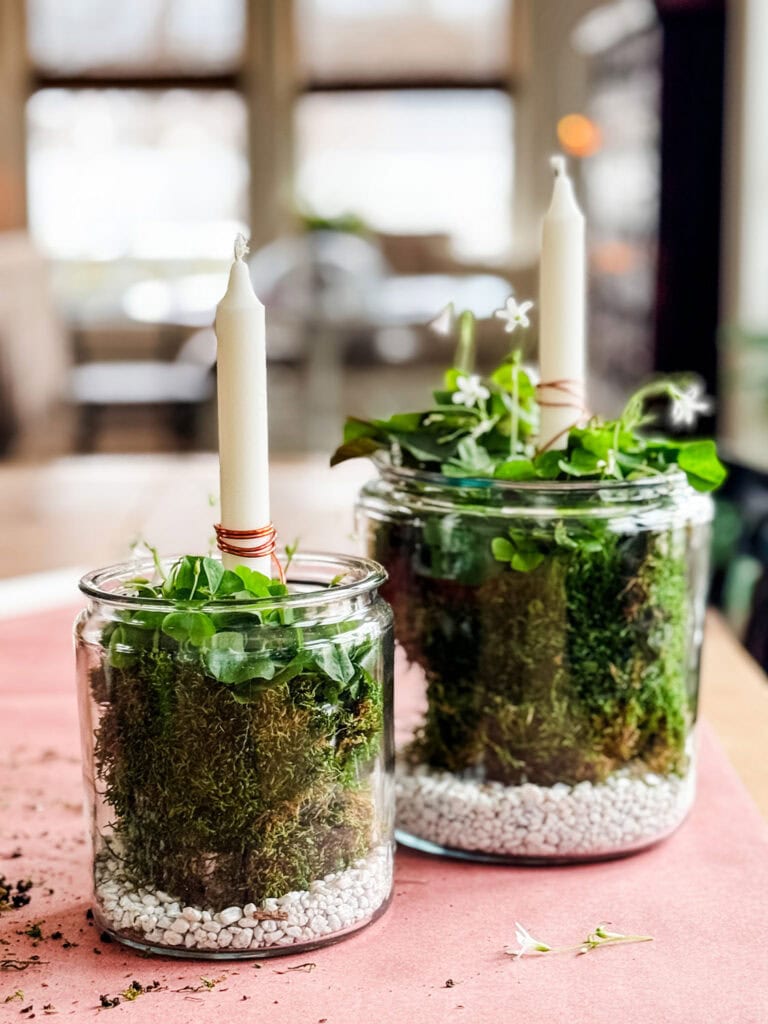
238, 761
557, 629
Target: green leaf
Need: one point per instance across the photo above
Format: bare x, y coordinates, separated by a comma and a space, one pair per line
523, 555
119, 657
182, 578
355, 428
255, 583
230, 585
502, 549
597, 440
699, 462
471, 460
358, 449
547, 465
227, 641
250, 690
213, 571
504, 378
515, 469
526, 561
229, 663
451, 380
582, 463
195, 627
400, 423
334, 661
298, 664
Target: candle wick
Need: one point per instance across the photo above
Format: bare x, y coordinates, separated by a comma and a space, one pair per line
241, 247
557, 163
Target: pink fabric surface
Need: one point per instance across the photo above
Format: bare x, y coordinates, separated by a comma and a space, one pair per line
702, 895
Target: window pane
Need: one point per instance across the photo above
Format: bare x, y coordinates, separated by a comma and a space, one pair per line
145, 174
379, 39
82, 36
411, 162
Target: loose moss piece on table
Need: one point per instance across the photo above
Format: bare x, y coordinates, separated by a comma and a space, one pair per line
235, 758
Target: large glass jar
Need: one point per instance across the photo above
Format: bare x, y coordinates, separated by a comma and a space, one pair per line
239, 763
557, 628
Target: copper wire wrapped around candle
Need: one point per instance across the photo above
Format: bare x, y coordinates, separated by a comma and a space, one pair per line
267, 535
573, 394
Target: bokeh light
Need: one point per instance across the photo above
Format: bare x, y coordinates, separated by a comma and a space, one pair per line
579, 135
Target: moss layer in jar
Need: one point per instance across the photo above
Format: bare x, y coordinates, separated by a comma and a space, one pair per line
562, 671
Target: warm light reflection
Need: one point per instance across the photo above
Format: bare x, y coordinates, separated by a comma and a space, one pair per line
578, 135
614, 257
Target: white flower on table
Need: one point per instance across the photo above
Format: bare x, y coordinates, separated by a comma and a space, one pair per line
470, 391
514, 314
527, 943
688, 403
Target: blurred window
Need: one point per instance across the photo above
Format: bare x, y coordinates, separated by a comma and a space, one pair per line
143, 174
411, 162
403, 39
89, 37
136, 130
407, 118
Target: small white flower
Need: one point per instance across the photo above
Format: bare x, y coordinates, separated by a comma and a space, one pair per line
444, 322
527, 943
688, 403
514, 315
470, 390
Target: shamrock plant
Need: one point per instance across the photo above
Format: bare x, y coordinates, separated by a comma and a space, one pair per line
220, 620
486, 427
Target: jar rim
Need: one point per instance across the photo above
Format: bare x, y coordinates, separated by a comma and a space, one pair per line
673, 477
368, 576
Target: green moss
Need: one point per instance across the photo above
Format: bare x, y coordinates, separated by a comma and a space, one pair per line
562, 673
222, 801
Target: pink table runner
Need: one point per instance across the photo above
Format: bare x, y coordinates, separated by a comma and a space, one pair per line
703, 895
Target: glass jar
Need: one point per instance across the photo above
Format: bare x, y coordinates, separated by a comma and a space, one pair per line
239, 765
557, 628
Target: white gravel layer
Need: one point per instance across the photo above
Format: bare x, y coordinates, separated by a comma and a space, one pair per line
625, 812
337, 902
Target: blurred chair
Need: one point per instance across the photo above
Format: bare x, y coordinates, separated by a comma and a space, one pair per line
34, 351
318, 288
177, 389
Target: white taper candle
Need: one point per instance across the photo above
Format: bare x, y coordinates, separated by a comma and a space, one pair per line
242, 402
562, 314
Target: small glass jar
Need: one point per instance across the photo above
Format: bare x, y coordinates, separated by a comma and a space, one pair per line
239, 764
558, 628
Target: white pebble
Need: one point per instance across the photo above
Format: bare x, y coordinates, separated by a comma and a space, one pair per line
229, 916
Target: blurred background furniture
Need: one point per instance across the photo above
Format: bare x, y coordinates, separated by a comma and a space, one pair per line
176, 388
34, 354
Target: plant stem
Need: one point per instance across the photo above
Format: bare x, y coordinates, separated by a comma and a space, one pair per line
465, 350
515, 424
